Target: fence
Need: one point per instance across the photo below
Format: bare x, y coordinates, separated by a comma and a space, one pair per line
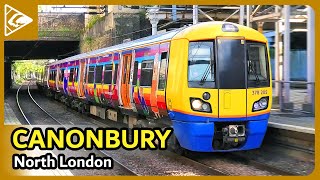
299, 97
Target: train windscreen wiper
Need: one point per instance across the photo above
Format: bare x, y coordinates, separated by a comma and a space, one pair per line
205, 74
254, 73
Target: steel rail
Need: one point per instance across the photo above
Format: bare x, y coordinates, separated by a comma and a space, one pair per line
18, 103
130, 172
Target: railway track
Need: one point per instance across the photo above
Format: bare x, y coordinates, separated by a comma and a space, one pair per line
256, 167
125, 169
206, 162
207, 166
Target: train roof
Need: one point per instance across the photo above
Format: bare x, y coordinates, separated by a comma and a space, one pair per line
201, 30
146, 40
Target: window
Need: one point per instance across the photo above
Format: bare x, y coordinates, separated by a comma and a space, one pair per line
146, 73
107, 74
61, 74
258, 74
71, 75
90, 74
126, 68
201, 64
135, 72
98, 78
53, 74
76, 74
115, 74
231, 63
163, 71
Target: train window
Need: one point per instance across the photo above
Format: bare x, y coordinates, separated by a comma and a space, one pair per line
54, 75
98, 78
146, 73
76, 74
163, 71
61, 74
71, 75
91, 74
231, 63
135, 72
115, 75
107, 74
257, 65
201, 64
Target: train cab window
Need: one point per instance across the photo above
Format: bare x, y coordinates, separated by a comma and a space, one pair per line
146, 73
257, 63
135, 72
115, 74
90, 74
107, 74
163, 71
98, 78
71, 75
201, 64
61, 74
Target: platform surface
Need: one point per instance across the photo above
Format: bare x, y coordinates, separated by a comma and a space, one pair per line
292, 121
9, 116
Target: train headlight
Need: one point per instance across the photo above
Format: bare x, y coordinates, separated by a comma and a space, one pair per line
196, 104
200, 105
261, 104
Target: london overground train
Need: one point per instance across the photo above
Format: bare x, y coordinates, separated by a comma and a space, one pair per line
210, 82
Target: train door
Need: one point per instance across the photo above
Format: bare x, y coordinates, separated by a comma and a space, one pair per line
161, 82
125, 80
81, 78
133, 80
58, 77
231, 74
154, 85
46, 76
61, 76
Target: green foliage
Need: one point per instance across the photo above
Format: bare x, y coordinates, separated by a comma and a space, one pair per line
22, 68
88, 43
88, 40
93, 20
60, 32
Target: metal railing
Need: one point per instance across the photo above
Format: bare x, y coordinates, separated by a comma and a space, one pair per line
294, 96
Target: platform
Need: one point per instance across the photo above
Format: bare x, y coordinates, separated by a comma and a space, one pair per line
292, 121
9, 116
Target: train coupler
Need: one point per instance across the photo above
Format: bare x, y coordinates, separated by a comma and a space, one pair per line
229, 136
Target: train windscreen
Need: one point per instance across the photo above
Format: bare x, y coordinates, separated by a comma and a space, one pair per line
231, 63
258, 69
201, 65
240, 64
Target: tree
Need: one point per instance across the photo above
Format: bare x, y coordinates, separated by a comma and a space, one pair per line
27, 68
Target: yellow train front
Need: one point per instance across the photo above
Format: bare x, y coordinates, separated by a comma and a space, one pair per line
219, 91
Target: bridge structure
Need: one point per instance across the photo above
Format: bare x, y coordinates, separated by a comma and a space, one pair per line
58, 37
